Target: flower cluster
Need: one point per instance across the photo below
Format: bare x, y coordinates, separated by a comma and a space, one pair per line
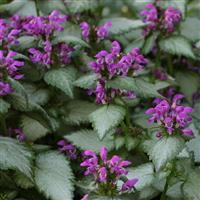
107, 172
160, 19
111, 64
68, 149
172, 116
102, 31
8, 35
8, 67
45, 26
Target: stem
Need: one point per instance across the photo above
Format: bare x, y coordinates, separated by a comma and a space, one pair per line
3, 124
37, 8
163, 196
170, 67
158, 64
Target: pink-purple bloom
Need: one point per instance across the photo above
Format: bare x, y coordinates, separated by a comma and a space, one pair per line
109, 65
85, 28
172, 116
68, 149
8, 35
18, 133
161, 19
85, 197
150, 15
103, 168
172, 17
129, 184
5, 88
45, 25
103, 31
160, 74
9, 66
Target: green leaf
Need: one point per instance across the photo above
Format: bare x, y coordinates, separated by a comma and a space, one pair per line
20, 56
86, 81
177, 45
14, 155
122, 25
53, 176
62, 79
19, 102
70, 39
165, 150
23, 181
106, 118
144, 173
47, 6
148, 44
119, 142
89, 140
189, 28
12, 7
80, 6
79, 114
18, 87
4, 106
32, 128
192, 185
26, 42
188, 82
37, 95
194, 146
198, 45
139, 86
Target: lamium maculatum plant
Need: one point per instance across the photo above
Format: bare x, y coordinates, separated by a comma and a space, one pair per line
99, 100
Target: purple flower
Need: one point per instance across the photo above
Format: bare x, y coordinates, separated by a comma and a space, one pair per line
64, 52
106, 171
115, 49
36, 55
44, 26
5, 89
68, 149
172, 17
18, 133
85, 27
171, 115
103, 154
102, 31
160, 74
129, 184
111, 64
150, 15
100, 92
85, 197
160, 19
8, 35
11, 65
102, 174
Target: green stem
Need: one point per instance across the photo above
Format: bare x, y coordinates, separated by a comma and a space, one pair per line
3, 125
158, 63
37, 8
170, 66
163, 196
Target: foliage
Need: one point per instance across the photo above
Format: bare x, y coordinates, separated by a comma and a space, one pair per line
94, 87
